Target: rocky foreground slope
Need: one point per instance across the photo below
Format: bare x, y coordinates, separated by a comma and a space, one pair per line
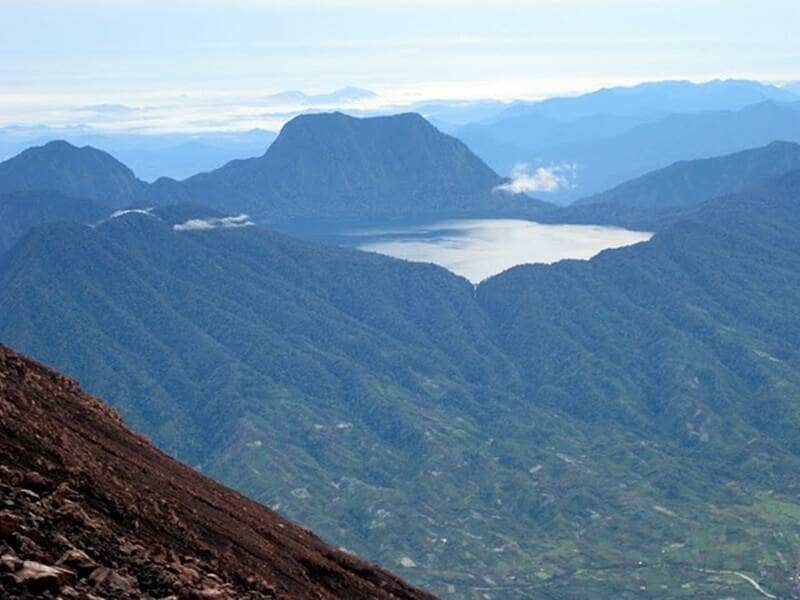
90, 510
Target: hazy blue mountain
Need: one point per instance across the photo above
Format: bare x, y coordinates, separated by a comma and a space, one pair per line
556, 429
344, 95
690, 182
680, 137
182, 155
793, 87
78, 172
20, 211
660, 198
605, 162
529, 137
654, 99
336, 166
448, 115
149, 156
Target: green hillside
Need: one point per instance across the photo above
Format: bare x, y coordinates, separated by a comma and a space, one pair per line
589, 428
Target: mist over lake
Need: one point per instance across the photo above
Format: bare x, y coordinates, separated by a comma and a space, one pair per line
480, 248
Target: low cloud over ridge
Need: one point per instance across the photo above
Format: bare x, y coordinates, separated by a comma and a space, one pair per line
543, 179
242, 220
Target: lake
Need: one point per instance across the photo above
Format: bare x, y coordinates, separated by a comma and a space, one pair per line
480, 248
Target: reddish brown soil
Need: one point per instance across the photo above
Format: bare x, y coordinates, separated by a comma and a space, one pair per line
90, 510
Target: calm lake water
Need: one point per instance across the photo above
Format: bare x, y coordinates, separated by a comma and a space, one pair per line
480, 248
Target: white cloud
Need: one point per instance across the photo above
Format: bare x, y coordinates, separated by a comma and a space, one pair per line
543, 179
214, 223
138, 211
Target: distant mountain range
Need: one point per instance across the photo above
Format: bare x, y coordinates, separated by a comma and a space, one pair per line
635, 409
608, 137
660, 198
655, 99
90, 509
688, 183
342, 96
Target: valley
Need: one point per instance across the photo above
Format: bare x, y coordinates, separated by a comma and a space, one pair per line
371, 332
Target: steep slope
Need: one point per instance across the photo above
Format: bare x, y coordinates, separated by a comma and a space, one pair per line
709, 300
663, 197
335, 166
19, 211
688, 183
246, 348
78, 172
90, 506
576, 430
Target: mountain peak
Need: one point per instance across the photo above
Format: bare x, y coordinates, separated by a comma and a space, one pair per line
78, 172
60, 145
331, 165
323, 119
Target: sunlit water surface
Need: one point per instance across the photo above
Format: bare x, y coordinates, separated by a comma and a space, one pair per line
480, 248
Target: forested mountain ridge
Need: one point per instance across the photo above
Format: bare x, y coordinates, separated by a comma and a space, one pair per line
335, 166
321, 166
691, 182
623, 148
635, 407
77, 172
665, 196
20, 211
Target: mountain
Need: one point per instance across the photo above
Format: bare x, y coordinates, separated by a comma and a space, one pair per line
793, 87
447, 115
332, 166
575, 430
345, 95
239, 350
93, 508
531, 137
149, 156
77, 172
605, 162
654, 99
20, 211
692, 182
663, 197
323, 167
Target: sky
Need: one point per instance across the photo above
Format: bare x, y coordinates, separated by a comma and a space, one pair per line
57, 55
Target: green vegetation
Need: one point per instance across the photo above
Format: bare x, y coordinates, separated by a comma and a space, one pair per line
622, 427
328, 166
20, 211
76, 172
